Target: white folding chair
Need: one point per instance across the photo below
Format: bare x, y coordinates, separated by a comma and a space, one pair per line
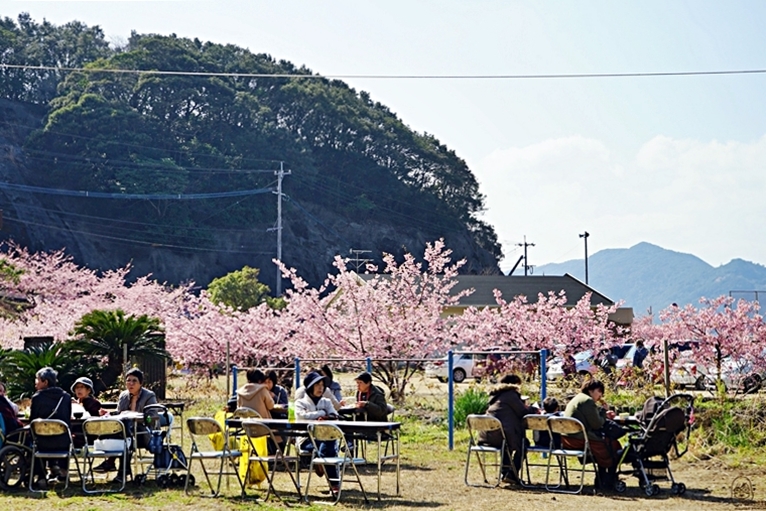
568, 426
487, 424
320, 433
47, 428
253, 430
202, 427
533, 423
96, 447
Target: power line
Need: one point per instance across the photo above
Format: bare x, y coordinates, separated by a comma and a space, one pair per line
131, 196
134, 241
637, 74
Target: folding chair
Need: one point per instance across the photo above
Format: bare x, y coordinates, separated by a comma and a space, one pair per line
254, 430
42, 428
202, 427
533, 423
568, 426
243, 412
116, 446
485, 424
319, 433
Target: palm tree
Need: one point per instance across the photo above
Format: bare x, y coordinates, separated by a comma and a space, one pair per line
112, 335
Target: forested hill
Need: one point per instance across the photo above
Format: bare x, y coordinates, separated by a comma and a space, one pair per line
360, 178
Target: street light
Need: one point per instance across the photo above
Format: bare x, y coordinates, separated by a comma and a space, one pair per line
585, 236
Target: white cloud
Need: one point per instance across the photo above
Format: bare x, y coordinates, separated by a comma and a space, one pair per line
702, 197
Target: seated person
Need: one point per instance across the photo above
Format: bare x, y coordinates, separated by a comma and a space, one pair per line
82, 390
13, 405
585, 408
332, 385
370, 398
543, 438
507, 405
134, 399
255, 394
300, 392
278, 392
10, 416
314, 406
51, 402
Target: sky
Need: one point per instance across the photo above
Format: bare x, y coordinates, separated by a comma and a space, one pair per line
675, 161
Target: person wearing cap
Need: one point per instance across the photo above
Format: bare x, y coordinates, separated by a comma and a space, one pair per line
82, 392
371, 398
300, 392
314, 406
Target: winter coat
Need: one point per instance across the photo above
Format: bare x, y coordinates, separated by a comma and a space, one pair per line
583, 408
257, 397
505, 404
336, 390
145, 397
52, 403
376, 407
306, 409
300, 393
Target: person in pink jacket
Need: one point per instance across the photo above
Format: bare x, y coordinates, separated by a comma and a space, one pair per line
255, 394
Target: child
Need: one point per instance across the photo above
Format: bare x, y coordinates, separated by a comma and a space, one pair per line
542, 438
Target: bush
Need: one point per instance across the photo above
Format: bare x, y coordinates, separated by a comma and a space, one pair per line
471, 401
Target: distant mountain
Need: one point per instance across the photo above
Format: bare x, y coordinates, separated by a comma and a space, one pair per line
646, 275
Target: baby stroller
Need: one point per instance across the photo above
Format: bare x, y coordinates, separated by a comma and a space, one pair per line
15, 458
167, 458
647, 452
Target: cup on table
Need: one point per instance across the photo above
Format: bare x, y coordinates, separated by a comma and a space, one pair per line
624, 415
77, 415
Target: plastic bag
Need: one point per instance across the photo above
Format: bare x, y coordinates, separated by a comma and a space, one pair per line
257, 473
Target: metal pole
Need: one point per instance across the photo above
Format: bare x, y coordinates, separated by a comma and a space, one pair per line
368, 363
280, 174
543, 375
228, 368
585, 235
667, 367
297, 372
450, 401
234, 372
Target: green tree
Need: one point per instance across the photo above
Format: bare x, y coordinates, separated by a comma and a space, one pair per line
242, 290
109, 334
19, 367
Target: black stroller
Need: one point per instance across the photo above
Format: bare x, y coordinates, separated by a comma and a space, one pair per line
663, 424
167, 459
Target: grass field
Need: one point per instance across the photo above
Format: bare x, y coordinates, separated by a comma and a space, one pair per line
432, 476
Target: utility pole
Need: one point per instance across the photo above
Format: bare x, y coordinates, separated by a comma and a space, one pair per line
585, 237
358, 261
280, 174
527, 266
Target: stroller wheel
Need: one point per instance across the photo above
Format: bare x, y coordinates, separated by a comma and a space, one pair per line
175, 480
678, 489
620, 486
163, 481
191, 479
139, 479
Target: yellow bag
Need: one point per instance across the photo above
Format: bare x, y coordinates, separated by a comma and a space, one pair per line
217, 438
257, 473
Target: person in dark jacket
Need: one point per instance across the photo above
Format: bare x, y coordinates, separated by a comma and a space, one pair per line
51, 402
278, 392
585, 408
333, 385
371, 398
506, 404
10, 417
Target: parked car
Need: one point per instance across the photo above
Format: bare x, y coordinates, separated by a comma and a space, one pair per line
585, 362
479, 365
735, 374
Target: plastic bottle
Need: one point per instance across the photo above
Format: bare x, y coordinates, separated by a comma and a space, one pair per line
291, 412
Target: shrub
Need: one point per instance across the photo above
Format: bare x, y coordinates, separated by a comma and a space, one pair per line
473, 400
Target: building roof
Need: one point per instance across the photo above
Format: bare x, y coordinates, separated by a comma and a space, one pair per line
531, 286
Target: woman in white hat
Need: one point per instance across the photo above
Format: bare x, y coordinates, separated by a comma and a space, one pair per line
82, 390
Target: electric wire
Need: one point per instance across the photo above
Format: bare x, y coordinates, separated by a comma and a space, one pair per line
531, 76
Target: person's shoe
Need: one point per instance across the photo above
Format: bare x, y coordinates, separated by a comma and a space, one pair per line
319, 470
107, 465
510, 478
335, 489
